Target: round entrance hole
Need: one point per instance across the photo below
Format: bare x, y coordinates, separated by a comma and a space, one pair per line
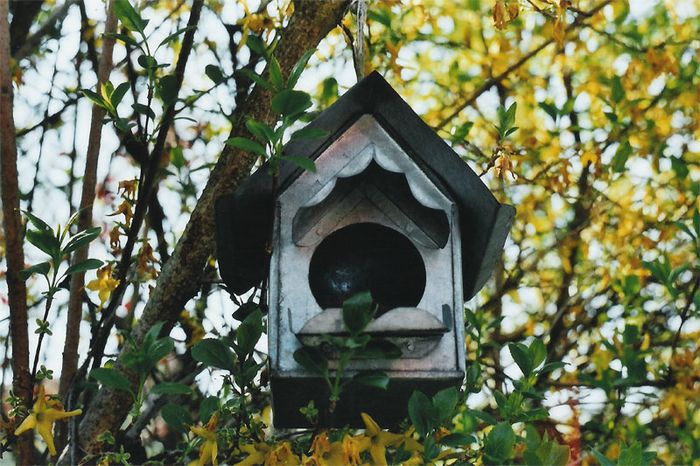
367, 257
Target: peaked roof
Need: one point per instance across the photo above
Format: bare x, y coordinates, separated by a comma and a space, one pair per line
245, 218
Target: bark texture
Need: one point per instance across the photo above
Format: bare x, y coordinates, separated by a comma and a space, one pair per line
181, 276
12, 224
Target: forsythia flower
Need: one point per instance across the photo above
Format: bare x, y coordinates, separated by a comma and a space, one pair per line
43, 415
377, 440
282, 455
124, 208
324, 453
114, 242
209, 448
104, 284
129, 188
263, 454
505, 12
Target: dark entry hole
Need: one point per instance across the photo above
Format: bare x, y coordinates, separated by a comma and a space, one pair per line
367, 256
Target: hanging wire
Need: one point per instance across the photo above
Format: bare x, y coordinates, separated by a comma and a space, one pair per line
359, 45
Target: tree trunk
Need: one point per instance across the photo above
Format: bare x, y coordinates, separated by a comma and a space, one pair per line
12, 224
180, 277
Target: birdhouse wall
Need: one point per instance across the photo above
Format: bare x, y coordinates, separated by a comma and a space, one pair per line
292, 303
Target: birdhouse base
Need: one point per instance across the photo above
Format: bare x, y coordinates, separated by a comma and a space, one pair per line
387, 407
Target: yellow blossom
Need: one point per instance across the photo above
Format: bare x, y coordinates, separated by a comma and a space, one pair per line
377, 440
262, 454
325, 453
256, 454
114, 241
43, 415
124, 208
104, 284
128, 187
282, 455
209, 448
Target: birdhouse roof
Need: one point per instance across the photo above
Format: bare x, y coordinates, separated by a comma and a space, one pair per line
245, 217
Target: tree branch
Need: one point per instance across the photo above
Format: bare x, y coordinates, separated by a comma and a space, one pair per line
180, 277
75, 300
489, 83
12, 224
34, 40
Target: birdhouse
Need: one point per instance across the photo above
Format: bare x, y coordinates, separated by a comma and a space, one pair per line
390, 209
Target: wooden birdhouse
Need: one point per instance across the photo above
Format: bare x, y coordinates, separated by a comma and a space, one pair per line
391, 209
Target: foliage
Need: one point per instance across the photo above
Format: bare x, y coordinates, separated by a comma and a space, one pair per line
358, 312
582, 349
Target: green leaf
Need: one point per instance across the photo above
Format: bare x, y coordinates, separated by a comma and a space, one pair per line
276, 73
160, 349
309, 133
213, 353
510, 115
45, 241
538, 352
147, 62
461, 132
290, 103
550, 109
81, 239
457, 440
260, 130
176, 416
249, 370
679, 167
118, 94
420, 410
111, 378
358, 311
176, 157
618, 92
214, 73
498, 445
124, 38
622, 153
207, 407
473, 375
37, 222
634, 455
41, 268
312, 359
484, 416
174, 35
550, 366
248, 333
549, 454
307, 164
377, 379
128, 16
445, 402
521, 355
298, 69
144, 110
171, 388
95, 98
88, 264
256, 45
247, 145
256, 78
167, 88
602, 459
